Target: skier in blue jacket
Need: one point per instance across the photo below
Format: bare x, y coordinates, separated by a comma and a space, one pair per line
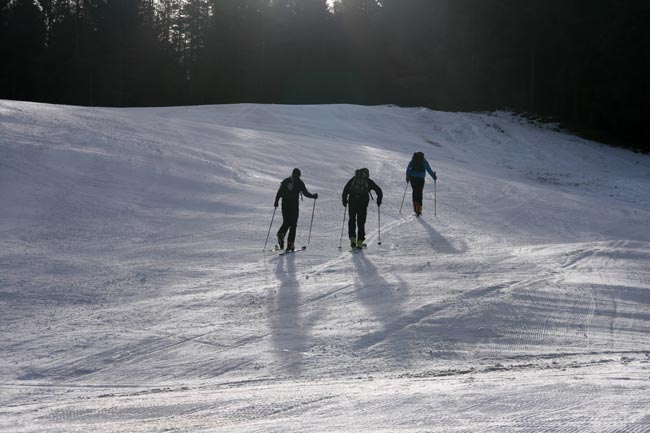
415, 174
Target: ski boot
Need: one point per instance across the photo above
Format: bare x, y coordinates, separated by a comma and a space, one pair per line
418, 208
290, 248
360, 244
353, 242
280, 242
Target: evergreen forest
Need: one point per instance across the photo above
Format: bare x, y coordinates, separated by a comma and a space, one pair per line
582, 63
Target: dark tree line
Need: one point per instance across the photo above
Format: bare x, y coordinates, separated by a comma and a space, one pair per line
583, 62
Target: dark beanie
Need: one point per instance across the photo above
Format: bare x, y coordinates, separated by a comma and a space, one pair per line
296, 172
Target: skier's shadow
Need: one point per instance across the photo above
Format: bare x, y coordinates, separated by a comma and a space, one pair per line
438, 242
288, 335
380, 298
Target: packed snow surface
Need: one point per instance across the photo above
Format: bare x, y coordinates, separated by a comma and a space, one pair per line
135, 295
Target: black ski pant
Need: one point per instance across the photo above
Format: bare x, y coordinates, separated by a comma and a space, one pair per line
358, 210
289, 222
417, 183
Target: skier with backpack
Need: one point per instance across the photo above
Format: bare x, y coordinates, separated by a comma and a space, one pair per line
415, 174
289, 191
357, 194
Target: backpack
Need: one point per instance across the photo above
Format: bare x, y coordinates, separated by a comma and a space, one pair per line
287, 188
359, 185
418, 162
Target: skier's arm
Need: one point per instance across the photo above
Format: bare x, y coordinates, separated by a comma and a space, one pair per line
277, 196
346, 191
306, 193
431, 172
408, 169
373, 186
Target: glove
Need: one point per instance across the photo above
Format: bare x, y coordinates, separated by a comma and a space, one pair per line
378, 203
434, 176
316, 196
275, 204
345, 203
408, 179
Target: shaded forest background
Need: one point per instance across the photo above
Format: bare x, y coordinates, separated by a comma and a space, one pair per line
585, 63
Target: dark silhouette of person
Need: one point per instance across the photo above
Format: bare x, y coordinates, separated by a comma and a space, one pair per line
289, 191
357, 194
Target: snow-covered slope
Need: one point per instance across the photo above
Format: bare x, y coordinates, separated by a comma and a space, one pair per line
135, 295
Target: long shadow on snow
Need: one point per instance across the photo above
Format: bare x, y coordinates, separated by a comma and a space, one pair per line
288, 335
438, 242
379, 297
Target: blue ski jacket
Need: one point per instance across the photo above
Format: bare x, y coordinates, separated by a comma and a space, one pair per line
420, 174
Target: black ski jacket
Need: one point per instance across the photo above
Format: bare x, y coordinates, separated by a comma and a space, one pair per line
289, 191
364, 199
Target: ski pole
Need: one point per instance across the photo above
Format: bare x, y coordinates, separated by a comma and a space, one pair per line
342, 226
405, 188
313, 211
379, 223
435, 196
267, 235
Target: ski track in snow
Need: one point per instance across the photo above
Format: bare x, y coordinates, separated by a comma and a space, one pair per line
135, 295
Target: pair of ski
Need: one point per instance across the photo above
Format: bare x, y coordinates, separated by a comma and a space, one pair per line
285, 252
353, 250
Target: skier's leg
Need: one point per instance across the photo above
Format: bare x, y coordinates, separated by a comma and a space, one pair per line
352, 223
413, 192
293, 224
418, 186
362, 212
417, 190
282, 232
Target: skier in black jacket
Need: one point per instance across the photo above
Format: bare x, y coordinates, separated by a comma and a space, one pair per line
290, 190
357, 194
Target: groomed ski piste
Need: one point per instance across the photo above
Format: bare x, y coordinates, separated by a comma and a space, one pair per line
135, 295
